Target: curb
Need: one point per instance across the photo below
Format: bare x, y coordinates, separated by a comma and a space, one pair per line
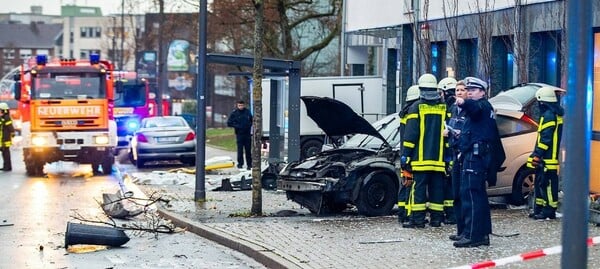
266, 256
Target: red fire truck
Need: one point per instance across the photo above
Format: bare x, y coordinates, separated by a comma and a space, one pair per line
67, 113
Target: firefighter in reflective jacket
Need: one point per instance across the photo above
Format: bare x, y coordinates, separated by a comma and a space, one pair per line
448, 86
423, 151
412, 95
544, 158
6, 133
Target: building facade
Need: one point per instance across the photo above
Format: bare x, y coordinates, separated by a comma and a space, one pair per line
504, 42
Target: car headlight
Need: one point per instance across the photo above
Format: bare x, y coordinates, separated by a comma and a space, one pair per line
101, 139
39, 140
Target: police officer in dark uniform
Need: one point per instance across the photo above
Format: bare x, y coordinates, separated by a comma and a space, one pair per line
6, 133
412, 95
544, 157
478, 139
422, 152
241, 121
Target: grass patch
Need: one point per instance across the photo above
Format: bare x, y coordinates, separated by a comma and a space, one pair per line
223, 138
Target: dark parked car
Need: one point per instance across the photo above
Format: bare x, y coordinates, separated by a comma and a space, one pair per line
361, 172
163, 138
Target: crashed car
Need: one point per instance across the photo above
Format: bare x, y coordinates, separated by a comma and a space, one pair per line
362, 172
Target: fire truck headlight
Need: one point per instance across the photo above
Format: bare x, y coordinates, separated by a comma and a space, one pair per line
132, 125
39, 140
101, 139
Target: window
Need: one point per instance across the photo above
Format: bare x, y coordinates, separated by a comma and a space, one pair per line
85, 54
90, 32
9, 54
508, 126
24, 53
43, 51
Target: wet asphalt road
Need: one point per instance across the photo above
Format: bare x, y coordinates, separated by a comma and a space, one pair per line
33, 218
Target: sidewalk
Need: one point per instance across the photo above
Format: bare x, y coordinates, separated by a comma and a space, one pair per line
288, 236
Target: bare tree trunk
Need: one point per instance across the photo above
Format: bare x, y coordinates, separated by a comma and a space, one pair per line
422, 39
484, 29
452, 28
257, 99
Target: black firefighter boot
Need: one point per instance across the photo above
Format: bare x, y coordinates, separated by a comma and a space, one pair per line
547, 213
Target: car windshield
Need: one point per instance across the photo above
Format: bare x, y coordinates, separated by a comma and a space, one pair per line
164, 122
387, 127
133, 95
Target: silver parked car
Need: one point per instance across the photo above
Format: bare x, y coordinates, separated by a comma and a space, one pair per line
163, 138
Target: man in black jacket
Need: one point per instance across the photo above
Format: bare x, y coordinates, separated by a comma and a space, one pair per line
241, 121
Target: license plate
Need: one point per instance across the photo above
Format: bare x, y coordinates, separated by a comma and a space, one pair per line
70, 146
100, 148
69, 122
167, 139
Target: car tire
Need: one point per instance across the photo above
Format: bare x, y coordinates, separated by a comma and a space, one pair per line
310, 148
139, 163
378, 196
522, 186
130, 156
269, 181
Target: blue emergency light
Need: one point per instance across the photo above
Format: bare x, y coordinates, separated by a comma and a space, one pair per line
132, 125
94, 58
41, 59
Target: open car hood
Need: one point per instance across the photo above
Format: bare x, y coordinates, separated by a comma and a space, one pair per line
336, 118
506, 102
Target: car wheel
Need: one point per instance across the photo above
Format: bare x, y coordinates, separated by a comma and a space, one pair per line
139, 163
269, 181
130, 155
310, 148
378, 196
522, 186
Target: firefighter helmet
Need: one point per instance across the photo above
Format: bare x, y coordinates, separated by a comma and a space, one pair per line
412, 93
427, 81
448, 83
544, 94
4, 106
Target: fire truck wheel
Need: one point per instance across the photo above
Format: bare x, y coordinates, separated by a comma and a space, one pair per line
107, 164
34, 169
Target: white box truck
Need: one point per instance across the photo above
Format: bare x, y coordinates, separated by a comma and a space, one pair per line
366, 95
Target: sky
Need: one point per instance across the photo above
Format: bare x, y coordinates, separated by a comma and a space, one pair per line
52, 7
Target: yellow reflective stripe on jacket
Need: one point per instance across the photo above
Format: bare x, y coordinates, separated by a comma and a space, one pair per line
546, 125
408, 144
429, 168
439, 109
448, 203
559, 122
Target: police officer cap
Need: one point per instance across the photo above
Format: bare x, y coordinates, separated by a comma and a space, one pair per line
475, 83
3, 106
